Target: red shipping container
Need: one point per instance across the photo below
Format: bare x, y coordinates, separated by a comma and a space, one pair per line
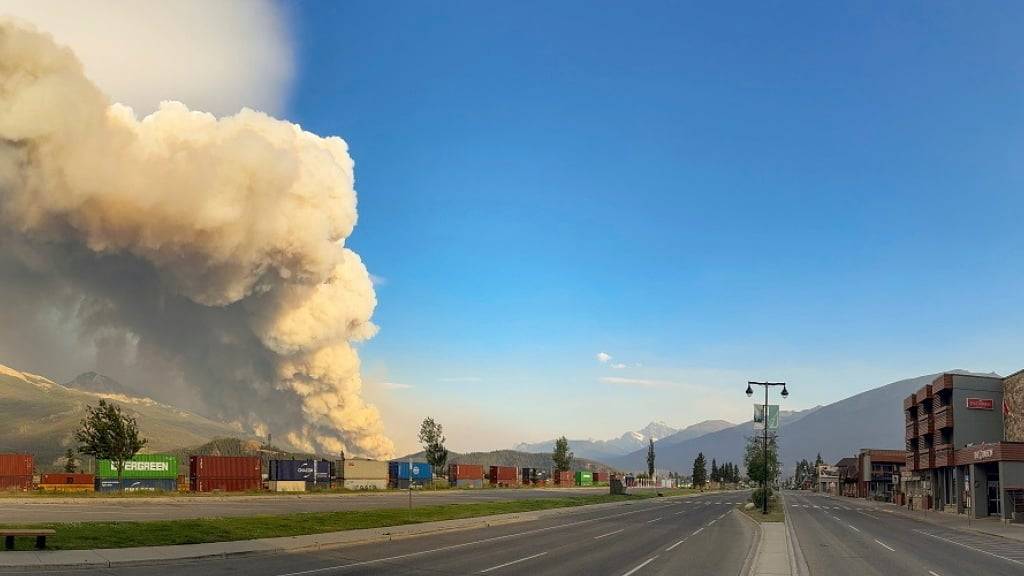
465, 472
504, 475
225, 484
247, 467
564, 479
16, 465
15, 482
600, 476
65, 478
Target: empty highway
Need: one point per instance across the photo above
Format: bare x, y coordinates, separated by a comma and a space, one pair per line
696, 535
850, 537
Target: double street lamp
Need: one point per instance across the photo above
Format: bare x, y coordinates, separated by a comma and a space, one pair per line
764, 417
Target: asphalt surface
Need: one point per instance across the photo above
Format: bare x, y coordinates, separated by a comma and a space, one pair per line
70, 509
697, 535
847, 537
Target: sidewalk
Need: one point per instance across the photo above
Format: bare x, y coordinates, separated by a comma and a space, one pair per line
990, 526
774, 553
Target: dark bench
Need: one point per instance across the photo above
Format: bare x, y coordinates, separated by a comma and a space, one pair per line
39, 533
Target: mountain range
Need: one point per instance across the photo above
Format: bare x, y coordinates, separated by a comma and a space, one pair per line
628, 442
39, 416
515, 458
871, 419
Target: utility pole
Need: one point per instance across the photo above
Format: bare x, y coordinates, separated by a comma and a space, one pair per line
764, 417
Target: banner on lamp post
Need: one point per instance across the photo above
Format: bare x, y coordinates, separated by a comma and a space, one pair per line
759, 417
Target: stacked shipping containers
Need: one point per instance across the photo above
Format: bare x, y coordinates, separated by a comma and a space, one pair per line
466, 475
315, 473
144, 472
16, 471
504, 475
363, 474
65, 482
401, 473
227, 473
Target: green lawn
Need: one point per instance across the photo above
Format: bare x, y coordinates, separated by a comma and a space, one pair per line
775, 512
88, 535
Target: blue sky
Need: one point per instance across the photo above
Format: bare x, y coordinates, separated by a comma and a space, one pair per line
823, 194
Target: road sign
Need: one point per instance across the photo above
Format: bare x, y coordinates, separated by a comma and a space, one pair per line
773, 416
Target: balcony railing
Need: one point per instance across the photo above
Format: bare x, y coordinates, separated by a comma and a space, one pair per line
944, 418
911, 430
925, 426
912, 461
910, 401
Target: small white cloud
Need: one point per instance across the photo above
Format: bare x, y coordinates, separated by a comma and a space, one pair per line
603, 357
460, 379
395, 386
618, 366
636, 382
378, 280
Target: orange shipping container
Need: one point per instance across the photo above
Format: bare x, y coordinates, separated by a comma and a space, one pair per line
16, 465
65, 478
465, 472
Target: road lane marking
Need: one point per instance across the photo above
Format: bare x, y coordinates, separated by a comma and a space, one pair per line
680, 512
884, 545
869, 515
934, 573
460, 545
609, 534
674, 545
970, 547
697, 531
655, 520
512, 562
712, 522
633, 571
855, 529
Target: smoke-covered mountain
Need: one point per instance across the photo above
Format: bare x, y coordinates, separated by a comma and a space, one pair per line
871, 419
94, 382
39, 417
629, 441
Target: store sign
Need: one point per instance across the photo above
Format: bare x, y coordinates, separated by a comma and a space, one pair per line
983, 454
980, 404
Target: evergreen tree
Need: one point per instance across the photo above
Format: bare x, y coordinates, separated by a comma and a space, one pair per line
699, 471
715, 472
650, 458
561, 455
70, 462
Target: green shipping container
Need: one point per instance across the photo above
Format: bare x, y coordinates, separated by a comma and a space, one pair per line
584, 478
142, 466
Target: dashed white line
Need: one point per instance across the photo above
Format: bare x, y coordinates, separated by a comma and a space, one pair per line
512, 562
655, 520
884, 545
680, 512
609, 534
674, 545
633, 571
712, 522
934, 573
697, 531
854, 528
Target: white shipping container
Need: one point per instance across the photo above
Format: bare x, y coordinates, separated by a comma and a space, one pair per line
366, 484
287, 485
363, 469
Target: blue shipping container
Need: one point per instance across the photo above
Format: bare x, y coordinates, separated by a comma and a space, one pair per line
421, 471
137, 485
296, 470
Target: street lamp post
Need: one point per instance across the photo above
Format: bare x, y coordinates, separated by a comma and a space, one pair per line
764, 416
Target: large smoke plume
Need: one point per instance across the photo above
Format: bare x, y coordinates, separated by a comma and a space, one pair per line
212, 249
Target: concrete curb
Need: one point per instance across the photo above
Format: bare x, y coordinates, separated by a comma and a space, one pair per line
797, 563
750, 562
111, 557
924, 516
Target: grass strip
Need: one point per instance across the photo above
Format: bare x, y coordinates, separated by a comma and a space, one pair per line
775, 512
92, 535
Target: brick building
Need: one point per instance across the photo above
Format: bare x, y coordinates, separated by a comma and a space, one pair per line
965, 445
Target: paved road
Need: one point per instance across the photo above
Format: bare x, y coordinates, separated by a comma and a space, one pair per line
848, 537
38, 509
699, 535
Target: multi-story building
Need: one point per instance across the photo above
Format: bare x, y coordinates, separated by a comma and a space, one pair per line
847, 471
878, 473
965, 445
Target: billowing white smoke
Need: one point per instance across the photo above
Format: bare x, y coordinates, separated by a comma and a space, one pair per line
215, 246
